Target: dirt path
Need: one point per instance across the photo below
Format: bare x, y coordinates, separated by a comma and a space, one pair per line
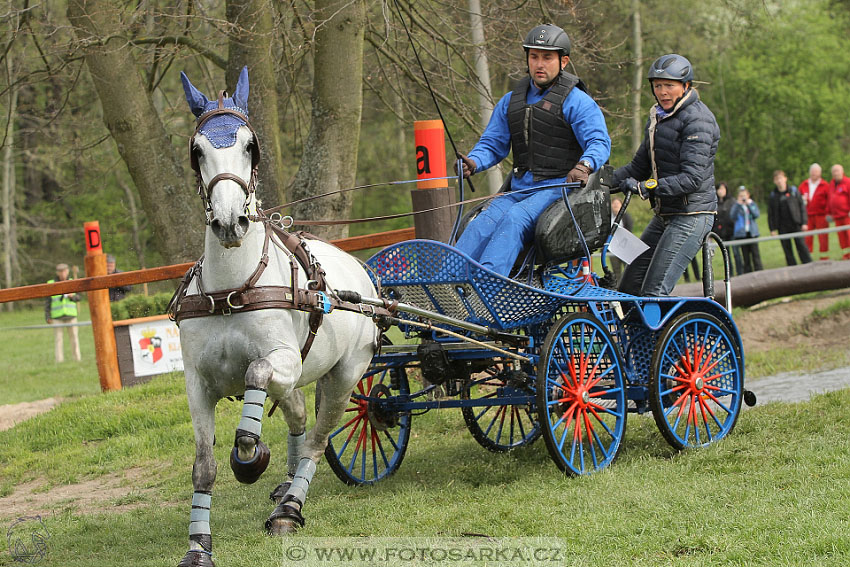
779, 324
101, 494
12, 414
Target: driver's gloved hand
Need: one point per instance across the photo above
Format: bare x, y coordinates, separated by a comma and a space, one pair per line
468, 166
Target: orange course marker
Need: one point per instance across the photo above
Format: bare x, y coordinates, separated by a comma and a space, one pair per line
429, 136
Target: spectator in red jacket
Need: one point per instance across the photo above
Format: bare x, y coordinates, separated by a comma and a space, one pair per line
839, 206
815, 193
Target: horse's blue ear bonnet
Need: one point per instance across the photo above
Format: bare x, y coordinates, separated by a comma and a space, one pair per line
219, 130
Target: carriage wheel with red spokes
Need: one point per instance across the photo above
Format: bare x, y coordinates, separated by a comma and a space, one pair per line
581, 395
371, 442
697, 381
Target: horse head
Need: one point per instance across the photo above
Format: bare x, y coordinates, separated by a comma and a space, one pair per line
224, 153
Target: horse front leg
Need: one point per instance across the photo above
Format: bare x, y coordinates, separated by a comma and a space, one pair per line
202, 409
250, 456
287, 517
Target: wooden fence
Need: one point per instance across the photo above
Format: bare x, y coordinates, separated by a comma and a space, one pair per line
97, 282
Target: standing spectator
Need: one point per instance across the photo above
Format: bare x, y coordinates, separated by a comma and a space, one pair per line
617, 265
816, 193
786, 213
744, 213
724, 227
839, 206
119, 292
60, 309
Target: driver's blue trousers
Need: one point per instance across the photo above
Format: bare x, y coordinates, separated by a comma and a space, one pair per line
499, 233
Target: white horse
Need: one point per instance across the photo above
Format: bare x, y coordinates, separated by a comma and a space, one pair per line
257, 353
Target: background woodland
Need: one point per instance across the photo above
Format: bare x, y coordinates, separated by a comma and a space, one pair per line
95, 125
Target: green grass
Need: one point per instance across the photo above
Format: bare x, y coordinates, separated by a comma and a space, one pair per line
773, 493
31, 372
819, 315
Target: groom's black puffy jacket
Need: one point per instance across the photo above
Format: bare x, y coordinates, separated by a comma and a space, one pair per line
683, 144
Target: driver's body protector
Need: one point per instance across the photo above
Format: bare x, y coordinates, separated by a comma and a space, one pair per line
544, 154
542, 142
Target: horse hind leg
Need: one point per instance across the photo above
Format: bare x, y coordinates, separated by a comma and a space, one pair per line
294, 412
250, 456
286, 517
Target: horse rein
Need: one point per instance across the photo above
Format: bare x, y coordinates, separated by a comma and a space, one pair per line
205, 191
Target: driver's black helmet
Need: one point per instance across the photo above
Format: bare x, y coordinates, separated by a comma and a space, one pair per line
549, 37
673, 67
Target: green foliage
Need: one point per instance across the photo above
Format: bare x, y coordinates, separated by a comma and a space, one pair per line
136, 305
780, 93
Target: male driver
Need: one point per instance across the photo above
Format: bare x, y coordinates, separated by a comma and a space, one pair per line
557, 134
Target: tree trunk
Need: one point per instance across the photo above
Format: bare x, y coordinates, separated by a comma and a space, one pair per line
252, 43
329, 162
167, 195
138, 243
9, 244
637, 80
485, 97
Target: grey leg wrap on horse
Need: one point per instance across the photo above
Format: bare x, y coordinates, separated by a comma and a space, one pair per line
200, 554
199, 521
294, 445
301, 482
252, 411
293, 456
290, 507
250, 456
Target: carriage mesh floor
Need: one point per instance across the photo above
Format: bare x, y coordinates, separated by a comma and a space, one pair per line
439, 278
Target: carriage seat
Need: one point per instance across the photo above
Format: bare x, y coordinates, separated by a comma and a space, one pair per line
555, 235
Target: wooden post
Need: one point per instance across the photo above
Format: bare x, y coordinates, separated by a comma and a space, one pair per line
105, 349
431, 193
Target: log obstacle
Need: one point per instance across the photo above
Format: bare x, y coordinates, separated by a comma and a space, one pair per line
755, 287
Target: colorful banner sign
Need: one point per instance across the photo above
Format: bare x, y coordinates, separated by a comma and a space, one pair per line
156, 348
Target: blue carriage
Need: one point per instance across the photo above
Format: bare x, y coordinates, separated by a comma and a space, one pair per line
554, 354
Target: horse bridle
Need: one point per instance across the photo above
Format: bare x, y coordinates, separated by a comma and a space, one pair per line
205, 191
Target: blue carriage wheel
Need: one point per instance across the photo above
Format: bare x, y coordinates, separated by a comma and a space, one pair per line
371, 440
501, 427
581, 395
696, 382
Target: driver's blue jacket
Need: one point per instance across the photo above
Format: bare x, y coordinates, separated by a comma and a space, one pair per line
497, 235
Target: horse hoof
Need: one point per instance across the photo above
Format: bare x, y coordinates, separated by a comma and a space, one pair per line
286, 519
281, 527
196, 559
247, 472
